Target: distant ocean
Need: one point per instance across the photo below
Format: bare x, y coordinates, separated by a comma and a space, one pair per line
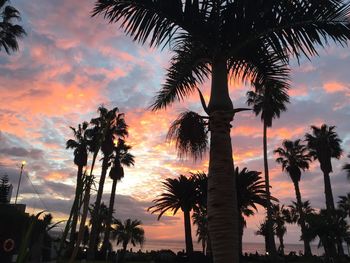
177, 246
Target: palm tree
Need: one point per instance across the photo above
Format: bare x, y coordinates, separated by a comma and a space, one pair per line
128, 232
244, 39
80, 146
269, 101
346, 167
111, 126
279, 219
179, 193
263, 231
9, 32
294, 158
121, 157
200, 219
292, 214
101, 218
344, 204
250, 193
324, 144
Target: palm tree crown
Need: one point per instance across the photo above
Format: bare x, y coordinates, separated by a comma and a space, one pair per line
293, 158
346, 167
128, 231
344, 203
80, 144
179, 193
120, 158
9, 32
269, 101
323, 145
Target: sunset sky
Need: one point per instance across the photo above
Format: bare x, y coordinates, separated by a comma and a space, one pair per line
70, 63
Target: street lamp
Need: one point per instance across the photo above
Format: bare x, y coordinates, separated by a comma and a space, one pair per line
20, 178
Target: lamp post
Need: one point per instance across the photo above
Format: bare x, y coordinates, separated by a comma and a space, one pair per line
20, 178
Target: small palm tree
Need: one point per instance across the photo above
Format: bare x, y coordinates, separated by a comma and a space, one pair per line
4, 189
344, 204
178, 193
270, 101
218, 39
9, 32
263, 231
200, 219
346, 168
129, 231
80, 146
121, 157
293, 157
292, 214
251, 192
279, 219
324, 144
110, 125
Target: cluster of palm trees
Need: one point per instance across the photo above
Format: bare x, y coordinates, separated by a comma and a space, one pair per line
106, 135
247, 40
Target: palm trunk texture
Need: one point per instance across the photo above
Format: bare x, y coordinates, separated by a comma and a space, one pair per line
109, 218
94, 227
271, 237
222, 197
188, 234
307, 248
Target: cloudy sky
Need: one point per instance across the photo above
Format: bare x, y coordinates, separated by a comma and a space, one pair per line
69, 64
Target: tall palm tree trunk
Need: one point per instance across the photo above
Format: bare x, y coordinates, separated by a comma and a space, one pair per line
76, 208
328, 191
307, 248
86, 202
109, 218
330, 206
94, 227
241, 231
188, 233
281, 247
271, 237
222, 196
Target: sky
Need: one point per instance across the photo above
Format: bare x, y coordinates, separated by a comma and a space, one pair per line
70, 63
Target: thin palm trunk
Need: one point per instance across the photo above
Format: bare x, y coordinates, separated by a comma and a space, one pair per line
86, 202
222, 197
188, 234
271, 237
281, 248
307, 248
94, 227
328, 192
330, 206
241, 231
76, 203
110, 215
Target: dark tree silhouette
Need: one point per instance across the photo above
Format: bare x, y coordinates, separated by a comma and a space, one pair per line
110, 125
279, 219
324, 144
294, 158
346, 168
4, 190
178, 193
248, 40
80, 146
9, 32
269, 101
344, 204
121, 157
127, 232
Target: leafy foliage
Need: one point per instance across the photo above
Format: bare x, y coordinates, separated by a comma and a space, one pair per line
4, 190
293, 158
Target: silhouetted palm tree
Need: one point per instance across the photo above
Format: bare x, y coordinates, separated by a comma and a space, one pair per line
101, 218
80, 146
293, 216
279, 219
294, 158
250, 40
179, 193
263, 231
344, 204
270, 101
250, 193
128, 232
121, 157
328, 227
200, 219
324, 144
111, 126
346, 167
9, 32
